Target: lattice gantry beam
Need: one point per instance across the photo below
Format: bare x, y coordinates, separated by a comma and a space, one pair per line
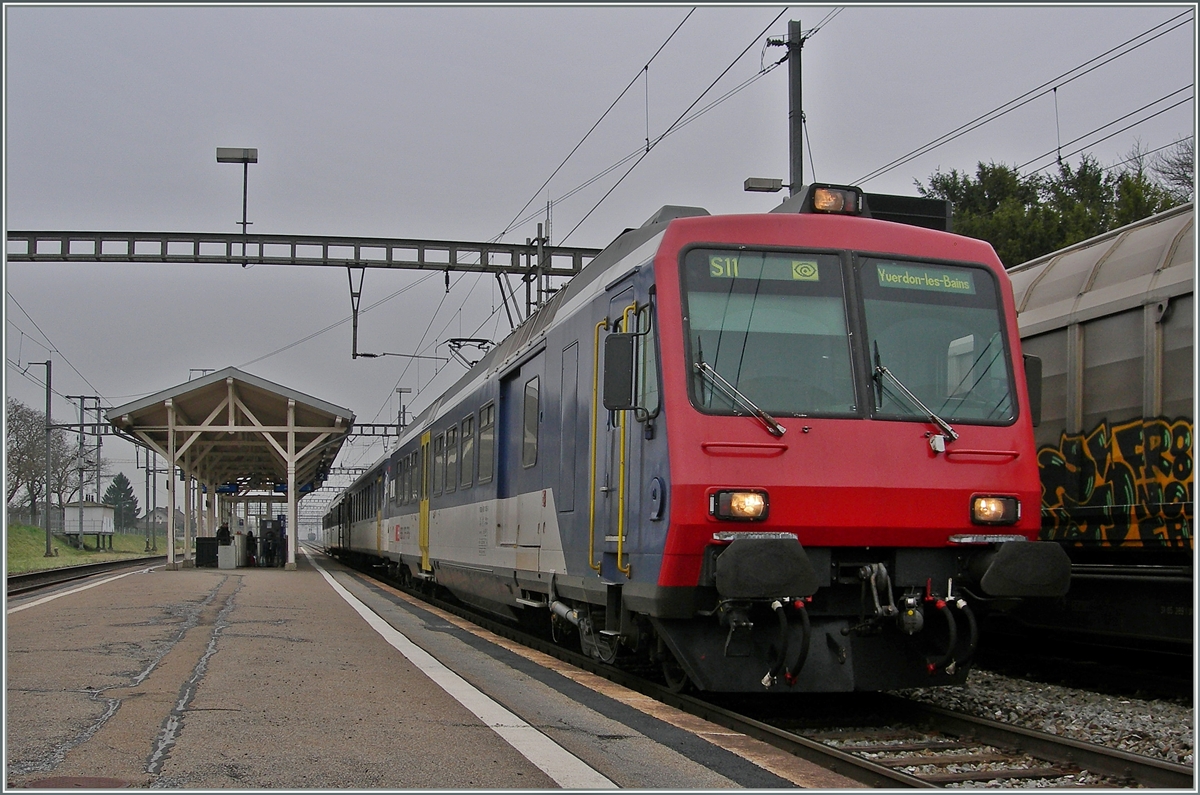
319, 250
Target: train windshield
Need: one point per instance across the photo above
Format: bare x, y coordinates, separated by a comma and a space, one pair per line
772, 325
937, 330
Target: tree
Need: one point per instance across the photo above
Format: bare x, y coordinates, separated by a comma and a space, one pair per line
1082, 199
1027, 216
1176, 168
125, 506
1000, 206
1137, 195
25, 450
25, 453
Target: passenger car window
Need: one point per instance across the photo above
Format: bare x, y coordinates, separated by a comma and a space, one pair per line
451, 459
529, 443
468, 450
487, 438
439, 462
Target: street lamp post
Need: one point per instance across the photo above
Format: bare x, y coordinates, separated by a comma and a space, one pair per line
245, 156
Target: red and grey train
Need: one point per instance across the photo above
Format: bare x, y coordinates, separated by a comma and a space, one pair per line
781, 452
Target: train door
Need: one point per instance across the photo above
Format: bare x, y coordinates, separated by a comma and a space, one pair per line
378, 491
423, 520
614, 486
507, 456
568, 396
522, 494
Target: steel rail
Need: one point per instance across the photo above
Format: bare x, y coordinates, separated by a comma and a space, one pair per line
26, 582
1047, 747
1144, 770
853, 767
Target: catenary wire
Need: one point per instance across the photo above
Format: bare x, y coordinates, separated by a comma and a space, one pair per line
40, 382
1118, 132
514, 223
53, 347
673, 126
341, 322
1109, 124
1028, 96
640, 151
1147, 152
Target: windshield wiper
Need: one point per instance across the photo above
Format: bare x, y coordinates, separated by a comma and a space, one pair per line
731, 392
880, 371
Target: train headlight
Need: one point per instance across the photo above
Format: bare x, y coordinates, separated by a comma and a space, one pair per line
739, 506
995, 510
826, 199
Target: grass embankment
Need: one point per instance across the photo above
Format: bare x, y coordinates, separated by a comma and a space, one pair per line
27, 549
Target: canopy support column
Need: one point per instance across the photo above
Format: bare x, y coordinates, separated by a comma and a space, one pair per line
292, 535
171, 564
187, 511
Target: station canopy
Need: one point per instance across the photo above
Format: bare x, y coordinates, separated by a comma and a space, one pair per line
239, 432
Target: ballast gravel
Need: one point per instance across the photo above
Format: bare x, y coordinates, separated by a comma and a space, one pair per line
1159, 728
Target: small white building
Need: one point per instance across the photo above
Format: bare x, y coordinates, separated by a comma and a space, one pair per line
98, 520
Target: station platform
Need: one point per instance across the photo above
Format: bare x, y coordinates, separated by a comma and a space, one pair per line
320, 679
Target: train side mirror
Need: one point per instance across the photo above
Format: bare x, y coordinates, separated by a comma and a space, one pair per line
619, 371
1033, 380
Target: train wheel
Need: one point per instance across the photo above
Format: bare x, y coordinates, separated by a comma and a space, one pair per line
673, 673
676, 678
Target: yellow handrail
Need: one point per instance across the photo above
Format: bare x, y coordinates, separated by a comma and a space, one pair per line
621, 487
603, 324
423, 511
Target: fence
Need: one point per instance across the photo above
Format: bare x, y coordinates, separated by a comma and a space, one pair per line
24, 515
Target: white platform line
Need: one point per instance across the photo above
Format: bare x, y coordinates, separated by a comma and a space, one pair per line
52, 597
567, 770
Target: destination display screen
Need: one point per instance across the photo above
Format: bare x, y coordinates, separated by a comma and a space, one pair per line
771, 268
922, 277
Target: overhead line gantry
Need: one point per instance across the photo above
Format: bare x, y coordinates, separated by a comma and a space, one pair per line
535, 262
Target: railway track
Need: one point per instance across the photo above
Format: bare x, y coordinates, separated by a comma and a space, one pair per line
904, 743
1147, 672
931, 746
18, 584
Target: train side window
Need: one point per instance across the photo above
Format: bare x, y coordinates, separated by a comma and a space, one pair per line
647, 366
487, 438
439, 463
414, 476
529, 443
451, 459
468, 451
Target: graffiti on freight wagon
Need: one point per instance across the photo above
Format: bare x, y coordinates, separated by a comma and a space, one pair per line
1128, 484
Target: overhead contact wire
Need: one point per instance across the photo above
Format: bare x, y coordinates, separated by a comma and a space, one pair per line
1027, 97
514, 223
674, 125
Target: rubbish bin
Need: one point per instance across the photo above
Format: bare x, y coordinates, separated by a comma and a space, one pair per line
206, 552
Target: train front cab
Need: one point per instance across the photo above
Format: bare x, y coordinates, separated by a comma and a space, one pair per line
841, 458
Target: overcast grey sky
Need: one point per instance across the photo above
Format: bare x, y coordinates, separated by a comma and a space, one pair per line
442, 122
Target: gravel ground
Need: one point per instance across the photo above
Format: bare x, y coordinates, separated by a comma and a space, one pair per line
1160, 728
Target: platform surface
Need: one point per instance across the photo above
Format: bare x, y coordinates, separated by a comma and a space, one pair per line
316, 678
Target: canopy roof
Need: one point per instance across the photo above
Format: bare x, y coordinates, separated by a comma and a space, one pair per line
233, 428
